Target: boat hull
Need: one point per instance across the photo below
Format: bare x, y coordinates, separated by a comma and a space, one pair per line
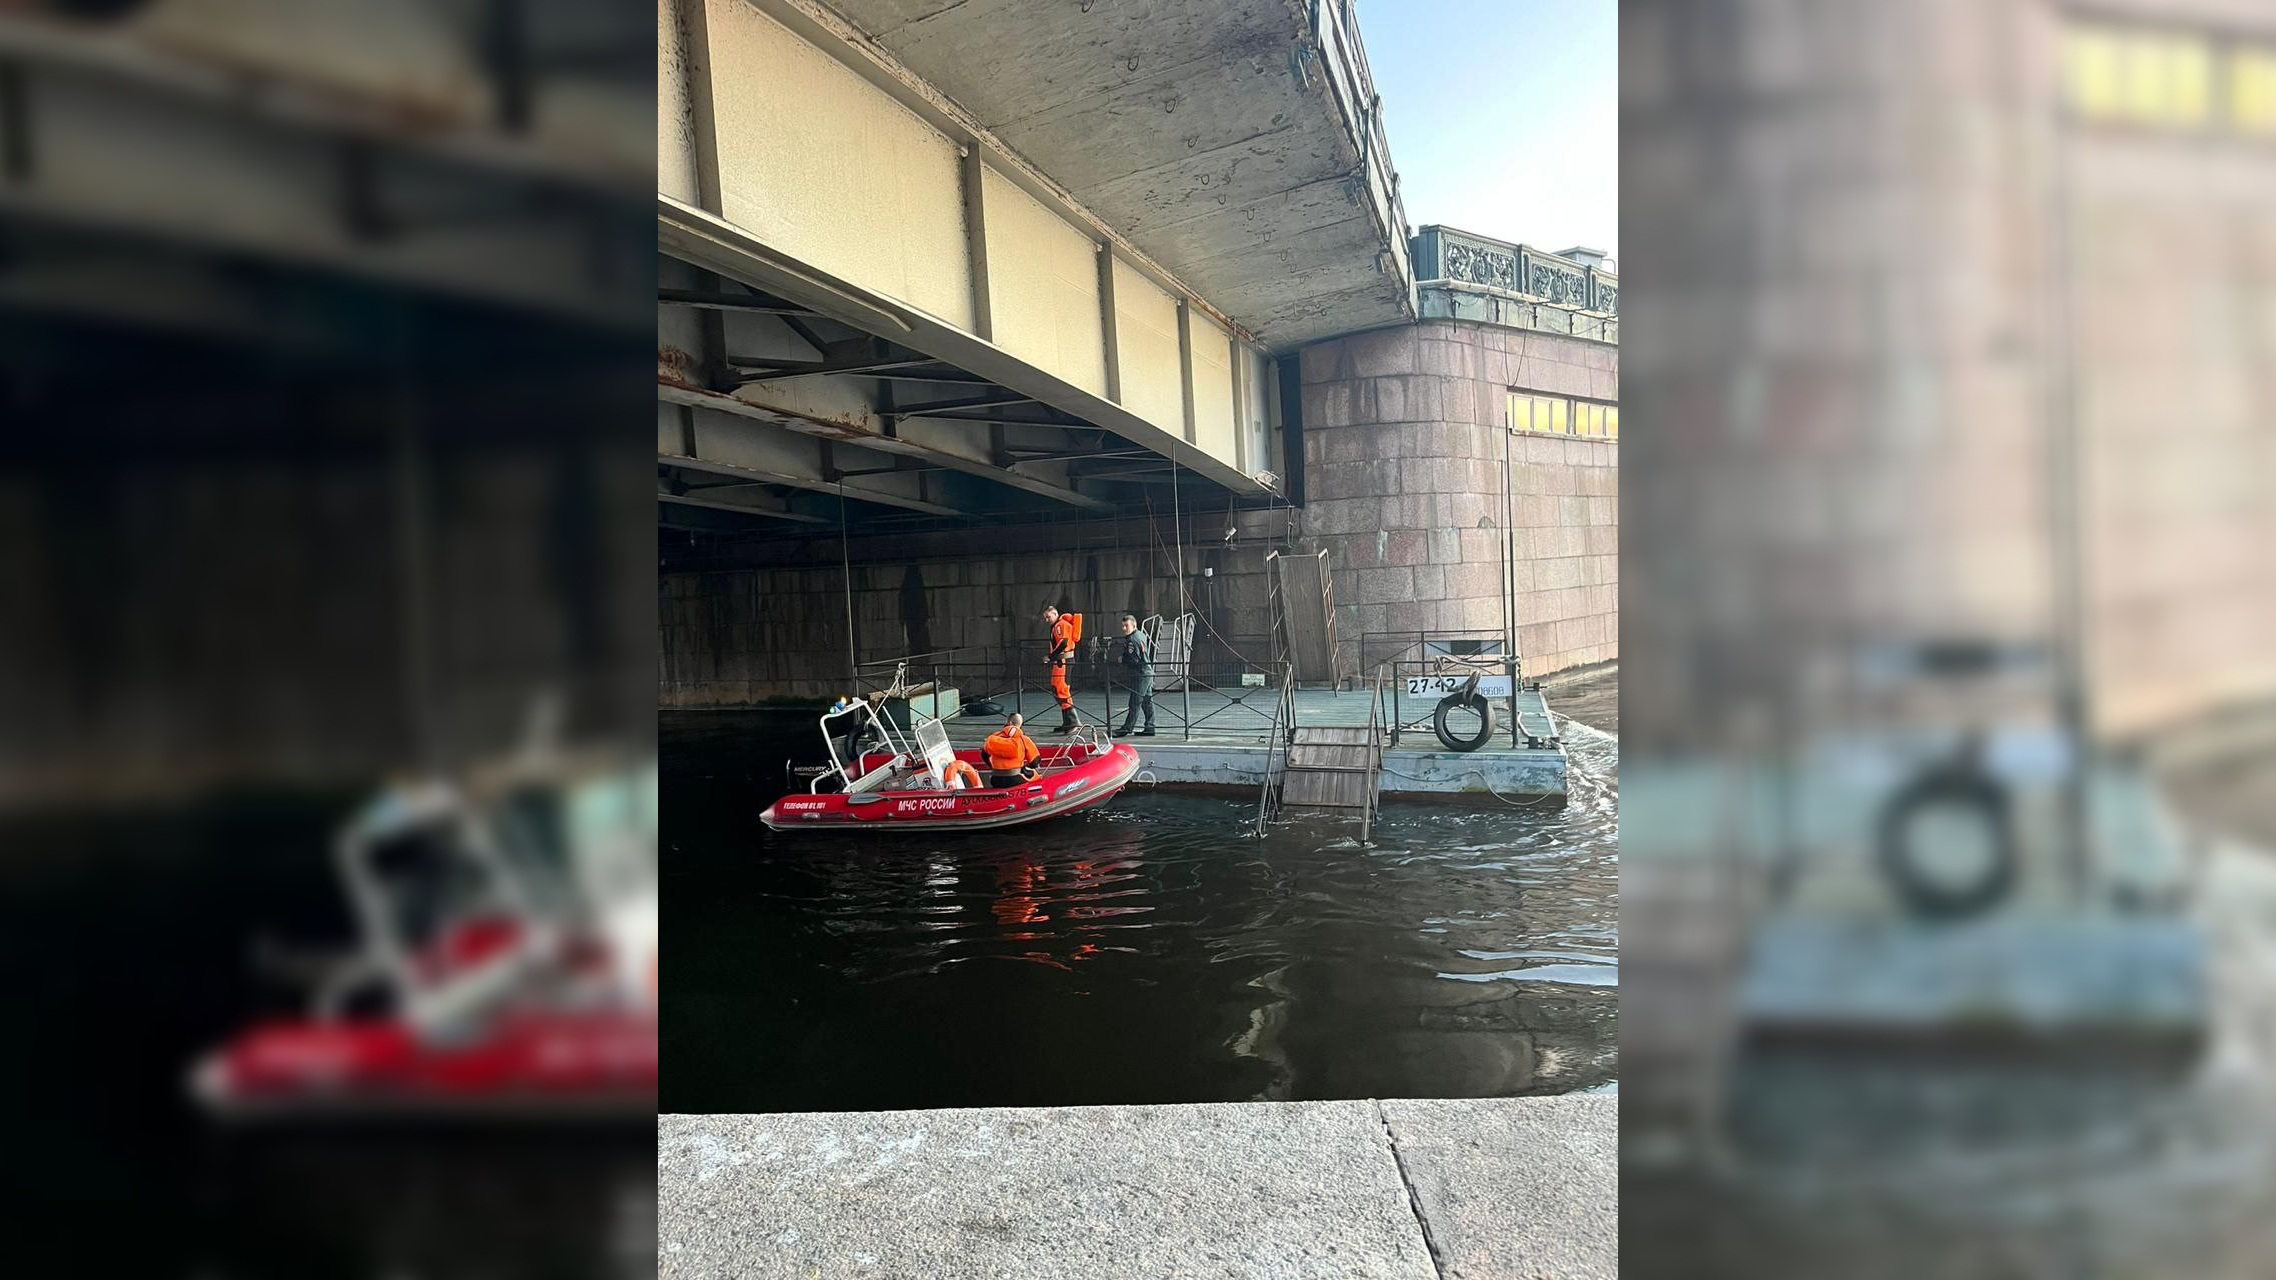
1080, 779
556, 1064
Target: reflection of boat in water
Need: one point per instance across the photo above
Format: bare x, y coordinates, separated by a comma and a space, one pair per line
508, 959
907, 785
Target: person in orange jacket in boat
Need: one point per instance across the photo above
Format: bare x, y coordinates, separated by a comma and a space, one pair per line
1011, 753
1066, 633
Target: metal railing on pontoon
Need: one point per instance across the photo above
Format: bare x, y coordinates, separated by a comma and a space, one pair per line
1217, 688
1429, 665
1375, 746
1283, 731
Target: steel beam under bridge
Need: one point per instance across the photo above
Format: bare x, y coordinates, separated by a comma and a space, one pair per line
738, 448
813, 170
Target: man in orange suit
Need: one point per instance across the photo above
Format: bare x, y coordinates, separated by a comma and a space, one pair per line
1065, 631
1010, 753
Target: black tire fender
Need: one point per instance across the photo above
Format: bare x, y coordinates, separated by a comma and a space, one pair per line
1451, 702
1935, 899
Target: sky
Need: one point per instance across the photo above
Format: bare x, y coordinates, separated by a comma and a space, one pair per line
1503, 115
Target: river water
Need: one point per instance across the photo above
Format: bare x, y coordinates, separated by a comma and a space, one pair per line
1156, 950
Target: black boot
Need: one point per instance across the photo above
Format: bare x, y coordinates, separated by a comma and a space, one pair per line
1122, 732
1066, 721
1146, 732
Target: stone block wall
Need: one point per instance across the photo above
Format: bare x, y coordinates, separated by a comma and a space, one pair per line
188, 623
735, 636
1968, 371
1405, 446
2176, 423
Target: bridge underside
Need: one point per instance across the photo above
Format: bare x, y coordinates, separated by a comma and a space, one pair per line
1239, 145
871, 307
770, 410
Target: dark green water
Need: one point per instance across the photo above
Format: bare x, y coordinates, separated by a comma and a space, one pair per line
1152, 951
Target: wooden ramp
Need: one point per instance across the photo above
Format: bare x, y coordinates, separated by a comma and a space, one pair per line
1329, 768
1335, 768
1303, 598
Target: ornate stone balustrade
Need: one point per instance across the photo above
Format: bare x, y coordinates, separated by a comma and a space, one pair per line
1473, 277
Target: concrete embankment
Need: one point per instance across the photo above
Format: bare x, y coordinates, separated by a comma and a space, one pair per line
1404, 1190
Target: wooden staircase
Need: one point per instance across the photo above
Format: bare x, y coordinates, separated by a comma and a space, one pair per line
1337, 769
1329, 768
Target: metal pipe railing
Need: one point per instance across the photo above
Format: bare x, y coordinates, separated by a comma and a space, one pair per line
1374, 759
1283, 709
1215, 696
1402, 671
1405, 642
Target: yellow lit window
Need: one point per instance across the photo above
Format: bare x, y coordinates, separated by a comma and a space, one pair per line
2252, 91
2189, 81
2091, 73
1536, 413
2138, 77
1557, 415
1612, 421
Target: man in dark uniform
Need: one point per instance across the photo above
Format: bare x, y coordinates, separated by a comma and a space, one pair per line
1138, 664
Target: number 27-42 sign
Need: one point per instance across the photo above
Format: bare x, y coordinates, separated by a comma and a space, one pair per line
1440, 686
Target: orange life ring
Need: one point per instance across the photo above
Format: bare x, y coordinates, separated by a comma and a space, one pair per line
959, 769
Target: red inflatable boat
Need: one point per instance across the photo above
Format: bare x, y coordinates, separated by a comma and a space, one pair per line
907, 787
499, 973
546, 1064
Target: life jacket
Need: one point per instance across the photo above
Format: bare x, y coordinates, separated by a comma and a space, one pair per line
1066, 634
1009, 752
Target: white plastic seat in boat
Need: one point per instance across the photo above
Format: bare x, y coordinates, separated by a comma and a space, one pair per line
876, 779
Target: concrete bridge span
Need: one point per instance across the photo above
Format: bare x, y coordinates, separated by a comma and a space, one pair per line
909, 277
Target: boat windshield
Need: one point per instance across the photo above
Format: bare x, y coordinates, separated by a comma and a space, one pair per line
850, 734
422, 882
532, 826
